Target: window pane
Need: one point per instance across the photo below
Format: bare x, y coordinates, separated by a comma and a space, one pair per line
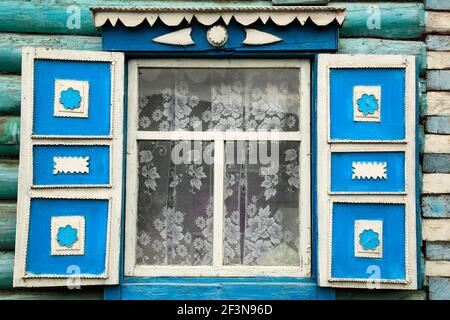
261, 192
175, 207
219, 99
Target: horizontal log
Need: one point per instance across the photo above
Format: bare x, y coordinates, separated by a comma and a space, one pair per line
6, 269
437, 268
433, 183
11, 45
436, 229
438, 80
439, 288
436, 163
438, 251
437, 143
438, 60
382, 46
437, 4
358, 294
438, 43
438, 125
436, 206
7, 225
397, 20
438, 103
437, 22
9, 94
8, 179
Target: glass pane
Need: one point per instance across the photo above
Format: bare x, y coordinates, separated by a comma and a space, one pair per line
261, 192
175, 206
219, 99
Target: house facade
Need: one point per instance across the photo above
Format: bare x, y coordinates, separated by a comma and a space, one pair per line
284, 149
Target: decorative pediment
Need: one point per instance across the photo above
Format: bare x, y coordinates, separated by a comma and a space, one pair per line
207, 16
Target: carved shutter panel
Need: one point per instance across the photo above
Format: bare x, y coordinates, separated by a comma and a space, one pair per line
366, 171
70, 172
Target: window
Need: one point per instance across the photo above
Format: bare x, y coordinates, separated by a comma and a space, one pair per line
218, 168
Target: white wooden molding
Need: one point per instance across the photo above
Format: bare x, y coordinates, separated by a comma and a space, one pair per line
436, 183
257, 38
436, 229
180, 37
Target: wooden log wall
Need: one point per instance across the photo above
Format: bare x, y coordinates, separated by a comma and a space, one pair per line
371, 27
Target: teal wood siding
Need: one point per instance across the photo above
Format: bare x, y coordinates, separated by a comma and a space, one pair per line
395, 27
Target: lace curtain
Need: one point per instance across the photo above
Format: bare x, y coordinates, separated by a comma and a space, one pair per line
175, 200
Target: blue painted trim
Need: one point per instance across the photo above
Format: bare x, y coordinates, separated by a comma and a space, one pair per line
420, 271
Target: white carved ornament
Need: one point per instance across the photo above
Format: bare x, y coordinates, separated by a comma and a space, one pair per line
369, 170
70, 165
217, 35
256, 38
180, 37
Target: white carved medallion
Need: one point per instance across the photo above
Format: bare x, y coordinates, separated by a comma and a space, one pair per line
367, 103
257, 38
217, 35
180, 37
369, 170
67, 235
70, 165
71, 98
368, 238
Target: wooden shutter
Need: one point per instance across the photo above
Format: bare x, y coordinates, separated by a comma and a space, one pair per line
366, 171
70, 170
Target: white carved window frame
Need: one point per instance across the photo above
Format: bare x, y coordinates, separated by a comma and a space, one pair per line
217, 269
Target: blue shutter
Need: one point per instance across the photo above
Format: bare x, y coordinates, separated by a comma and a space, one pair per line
366, 171
70, 170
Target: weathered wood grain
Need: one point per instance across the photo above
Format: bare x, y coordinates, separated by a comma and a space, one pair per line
436, 163
9, 94
6, 269
358, 294
436, 230
438, 103
383, 46
438, 80
438, 125
436, 206
437, 22
298, 2
9, 136
438, 251
438, 60
8, 179
438, 43
436, 183
437, 143
437, 268
437, 4
7, 225
439, 288
11, 45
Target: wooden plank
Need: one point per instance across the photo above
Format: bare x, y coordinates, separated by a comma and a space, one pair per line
9, 94
8, 179
298, 2
438, 60
436, 183
438, 80
7, 225
437, 143
436, 206
85, 293
437, 268
438, 124
11, 45
438, 251
439, 288
9, 136
437, 4
437, 22
6, 269
382, 46
436, 163
438, 103
358, 294
436, 229
438, 43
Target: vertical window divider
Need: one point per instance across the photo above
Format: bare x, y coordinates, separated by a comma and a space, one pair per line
219, 168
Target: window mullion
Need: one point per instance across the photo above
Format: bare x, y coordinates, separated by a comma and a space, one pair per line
219, 167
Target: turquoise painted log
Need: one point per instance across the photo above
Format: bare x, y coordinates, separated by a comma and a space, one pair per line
382, 46
9, 94
355, 294
6, 269
437, 4
9, 136
438, 251
438, 125
298, 2
85, 293
423, 97
439, 288
7, 225
438, 80
436, 206
11, 44
438, 43
397, 20
8, 179
436, 163
421, 132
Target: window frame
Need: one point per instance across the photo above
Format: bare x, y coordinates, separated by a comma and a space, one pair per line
217, 269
